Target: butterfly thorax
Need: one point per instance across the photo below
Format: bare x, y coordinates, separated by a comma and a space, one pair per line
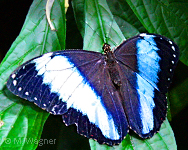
112, 65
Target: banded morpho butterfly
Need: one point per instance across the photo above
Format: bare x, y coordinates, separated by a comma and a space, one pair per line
105, 95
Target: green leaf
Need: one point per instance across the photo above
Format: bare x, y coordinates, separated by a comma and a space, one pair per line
35, 38
164, 139
23, 121
167, 18
179, 97
179, 91
125, 18
97, 24
125, 145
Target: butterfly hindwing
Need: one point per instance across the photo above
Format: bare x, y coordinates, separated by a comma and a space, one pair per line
74, 84
146, 64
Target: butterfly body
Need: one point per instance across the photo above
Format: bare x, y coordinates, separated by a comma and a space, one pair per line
111, 63
105, 95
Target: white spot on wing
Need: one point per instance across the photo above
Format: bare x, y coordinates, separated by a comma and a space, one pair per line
53, 109
35, 98
26, 93
13, 76
173, 48
66, 81
14, 82
19, 89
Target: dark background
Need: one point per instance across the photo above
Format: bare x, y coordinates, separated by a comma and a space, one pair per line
12, 16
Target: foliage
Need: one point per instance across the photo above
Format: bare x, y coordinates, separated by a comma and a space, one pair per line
98, 21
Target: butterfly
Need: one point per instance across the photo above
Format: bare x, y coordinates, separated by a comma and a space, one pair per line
104, 94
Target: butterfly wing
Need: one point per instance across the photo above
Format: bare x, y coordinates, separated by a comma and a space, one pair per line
112, 122
146, 64
75, 84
